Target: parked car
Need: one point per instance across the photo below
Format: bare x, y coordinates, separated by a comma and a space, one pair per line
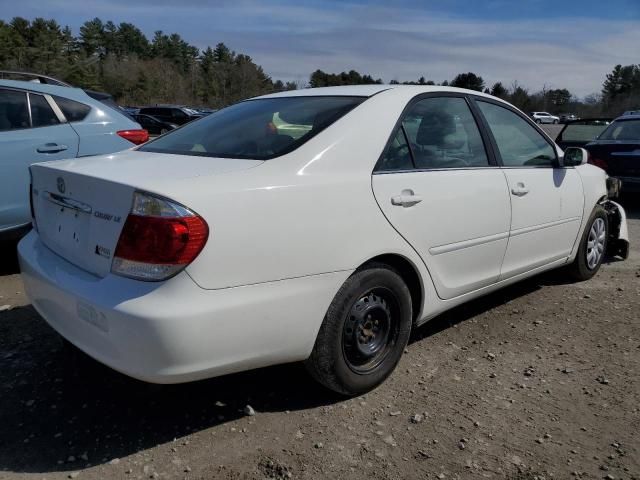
171, 113
154, 125
632, 112
41, 122
578, 133
205, 110
226, 245
544, 117
617, 151
130, 110
568, 117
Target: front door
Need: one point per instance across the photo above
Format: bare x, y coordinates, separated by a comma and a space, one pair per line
436, 185
546, 199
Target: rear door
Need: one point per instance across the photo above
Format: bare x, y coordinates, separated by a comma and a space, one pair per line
546, 199
31, 131
440, 189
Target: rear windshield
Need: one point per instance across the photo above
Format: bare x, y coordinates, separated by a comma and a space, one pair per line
583, 132
622, 130
257, 129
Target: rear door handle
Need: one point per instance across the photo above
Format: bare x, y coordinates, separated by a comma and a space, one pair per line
406, 199
519, 190
51, 148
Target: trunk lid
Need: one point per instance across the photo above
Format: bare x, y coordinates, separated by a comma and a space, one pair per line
81, 205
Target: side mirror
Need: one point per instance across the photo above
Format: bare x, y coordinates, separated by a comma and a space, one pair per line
574, 156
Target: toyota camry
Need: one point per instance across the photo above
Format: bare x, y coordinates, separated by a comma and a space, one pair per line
319, 225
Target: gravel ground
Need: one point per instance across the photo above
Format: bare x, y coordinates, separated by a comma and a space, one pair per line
538, 381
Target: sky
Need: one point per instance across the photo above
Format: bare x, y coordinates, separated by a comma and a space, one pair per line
538, 43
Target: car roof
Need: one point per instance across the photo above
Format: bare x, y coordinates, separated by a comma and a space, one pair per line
369, 91
632, 116
67, 92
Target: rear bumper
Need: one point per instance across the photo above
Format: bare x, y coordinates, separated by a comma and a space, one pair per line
175, 331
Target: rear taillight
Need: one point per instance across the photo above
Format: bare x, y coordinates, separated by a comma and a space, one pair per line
158, 240
135, 136
598, 162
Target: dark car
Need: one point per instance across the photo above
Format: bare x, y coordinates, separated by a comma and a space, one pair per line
153, 124
617, 151
171, 113
578, 133
568, 117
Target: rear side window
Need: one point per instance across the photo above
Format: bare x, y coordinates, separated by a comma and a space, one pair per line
519, 143
622, 130
256, 129
14, 113
72, 110
42, 115
443, 134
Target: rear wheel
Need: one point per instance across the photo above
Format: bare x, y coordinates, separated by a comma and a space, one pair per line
538, 121
163, 131
593, 246
364, 332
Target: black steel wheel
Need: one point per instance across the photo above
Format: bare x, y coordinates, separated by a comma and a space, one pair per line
364, 331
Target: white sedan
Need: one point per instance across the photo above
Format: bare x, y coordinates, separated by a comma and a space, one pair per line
318, 225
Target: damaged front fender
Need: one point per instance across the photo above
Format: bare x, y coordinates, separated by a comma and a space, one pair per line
618, 241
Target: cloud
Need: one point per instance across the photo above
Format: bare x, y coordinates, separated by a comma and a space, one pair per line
399, 40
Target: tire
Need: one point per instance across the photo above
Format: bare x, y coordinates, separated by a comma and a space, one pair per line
555, 122
538, 121
163, 131
351, 354
585, 265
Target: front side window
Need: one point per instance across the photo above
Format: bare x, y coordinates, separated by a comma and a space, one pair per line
622, 130
42, 114
255, 129
14, 114
519, 143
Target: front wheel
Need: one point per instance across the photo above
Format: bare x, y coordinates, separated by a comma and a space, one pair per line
593, 246
364, 332
555, 122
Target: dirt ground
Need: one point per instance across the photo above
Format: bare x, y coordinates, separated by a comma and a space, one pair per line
538, 381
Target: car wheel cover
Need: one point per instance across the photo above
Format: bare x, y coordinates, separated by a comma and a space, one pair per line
370, 330
595, 243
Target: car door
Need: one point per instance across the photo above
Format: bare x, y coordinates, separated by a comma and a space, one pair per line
30, 131
441, 190
546, 199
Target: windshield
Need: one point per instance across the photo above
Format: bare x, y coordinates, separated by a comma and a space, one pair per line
257, 129
622, 130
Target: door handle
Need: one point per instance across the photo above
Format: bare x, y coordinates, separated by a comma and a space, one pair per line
406, 199
51, 148
519, 190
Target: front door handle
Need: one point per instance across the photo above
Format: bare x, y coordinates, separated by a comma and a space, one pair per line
406, 199
519, 190
51, 148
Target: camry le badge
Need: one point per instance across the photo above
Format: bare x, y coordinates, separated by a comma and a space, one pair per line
61, 185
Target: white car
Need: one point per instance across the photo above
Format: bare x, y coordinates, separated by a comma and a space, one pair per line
544, 117
228, 245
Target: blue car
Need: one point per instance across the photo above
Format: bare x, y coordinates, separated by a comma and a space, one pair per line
40, 122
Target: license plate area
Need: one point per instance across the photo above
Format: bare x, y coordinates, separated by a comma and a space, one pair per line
67, 224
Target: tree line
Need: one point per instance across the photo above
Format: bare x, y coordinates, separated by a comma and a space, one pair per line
121, 60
